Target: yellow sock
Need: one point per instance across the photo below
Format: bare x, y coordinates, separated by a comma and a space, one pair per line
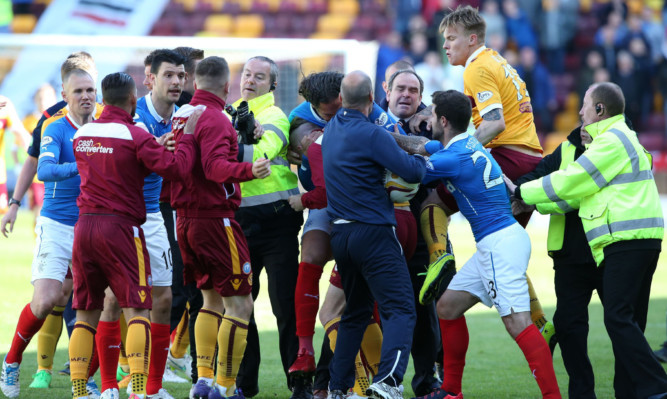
331, 329
361, 382
48, 338
122, 358
371, 347
232, 340
433, 222
138, 351
536, 312
206, 336
79, 388
80, 353
180, 345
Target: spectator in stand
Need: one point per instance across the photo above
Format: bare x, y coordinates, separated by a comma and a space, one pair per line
635, 32
390, 51
495, 22
531, 9
512, 57
592, 62
662, 83
540, 87
654, 32
607, 47
433, 74
645, 70
601, 75
519, 29
433, 19
617, 26
418, 47
406, 9
558, 25
497, 41
626, 77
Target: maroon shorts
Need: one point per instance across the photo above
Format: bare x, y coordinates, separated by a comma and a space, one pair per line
406, 232
515, 164
110, 251
215, 255
334, 279
36, 194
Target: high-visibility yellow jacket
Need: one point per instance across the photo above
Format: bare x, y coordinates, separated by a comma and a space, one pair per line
618, 197
282, 182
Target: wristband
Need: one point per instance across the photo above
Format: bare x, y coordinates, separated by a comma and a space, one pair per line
13, 201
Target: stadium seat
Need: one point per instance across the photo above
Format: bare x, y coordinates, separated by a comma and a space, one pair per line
552, 141
289, 6
652, 141
219, 24
314, 64
248, 25
188, 5
334, 25
316, 7
231, 7
347, 7
307, 25
327, 35
656, 121
23, 23
213, 5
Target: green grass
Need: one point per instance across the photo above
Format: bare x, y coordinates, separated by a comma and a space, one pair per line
495, 367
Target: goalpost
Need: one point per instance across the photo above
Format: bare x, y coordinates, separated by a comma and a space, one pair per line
29, 61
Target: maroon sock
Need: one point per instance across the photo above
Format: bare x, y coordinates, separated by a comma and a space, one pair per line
537, 353
455, 340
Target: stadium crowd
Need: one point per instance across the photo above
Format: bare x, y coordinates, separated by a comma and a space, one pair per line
161, 212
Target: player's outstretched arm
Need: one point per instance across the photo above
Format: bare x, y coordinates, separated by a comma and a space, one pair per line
493, 124
160, 159
411, 144
49, 167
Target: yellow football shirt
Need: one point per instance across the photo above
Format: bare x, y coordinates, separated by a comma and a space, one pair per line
492, 83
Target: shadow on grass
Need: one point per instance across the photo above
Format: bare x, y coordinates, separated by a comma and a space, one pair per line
495, 367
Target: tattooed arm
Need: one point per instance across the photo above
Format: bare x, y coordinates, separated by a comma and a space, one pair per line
492, 125
411, 144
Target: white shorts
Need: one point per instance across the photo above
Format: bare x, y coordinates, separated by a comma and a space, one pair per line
318, 219
496, 273
158, 248
53, 250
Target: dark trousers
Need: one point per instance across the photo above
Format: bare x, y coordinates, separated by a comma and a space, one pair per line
322, 376
426, 336
181, 294
575, 284
275, 250
627, 286
372, 267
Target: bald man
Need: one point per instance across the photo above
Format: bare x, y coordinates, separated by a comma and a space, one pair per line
369, 257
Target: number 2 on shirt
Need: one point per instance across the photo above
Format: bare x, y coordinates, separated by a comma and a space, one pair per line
488, 183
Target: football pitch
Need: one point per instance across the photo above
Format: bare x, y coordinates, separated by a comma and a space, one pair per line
495, 367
